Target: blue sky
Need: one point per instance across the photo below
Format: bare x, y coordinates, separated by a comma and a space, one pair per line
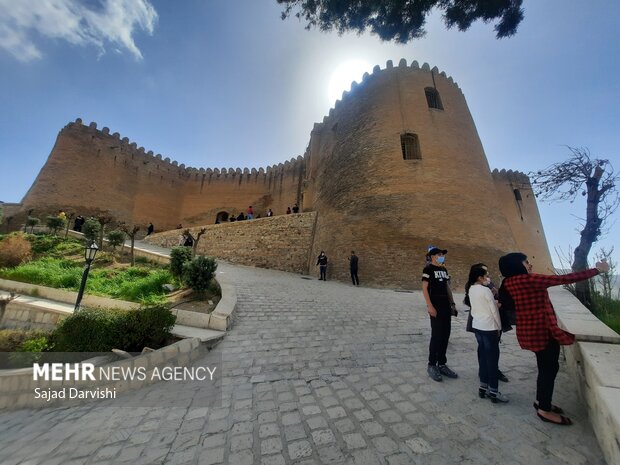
229, 84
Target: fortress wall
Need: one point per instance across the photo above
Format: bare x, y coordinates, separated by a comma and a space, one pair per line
233, 190
523, 217
280, 242
90, 171
392, 209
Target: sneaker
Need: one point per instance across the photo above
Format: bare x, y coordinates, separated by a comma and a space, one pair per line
482, 392
434, 373
501, 377
497, 397
444, 370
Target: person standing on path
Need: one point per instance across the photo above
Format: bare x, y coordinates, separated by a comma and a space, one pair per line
353, 261
487, 327
537, 324
440, 307
150, 229
322, 264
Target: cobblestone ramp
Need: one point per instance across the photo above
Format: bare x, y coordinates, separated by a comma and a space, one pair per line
319, 373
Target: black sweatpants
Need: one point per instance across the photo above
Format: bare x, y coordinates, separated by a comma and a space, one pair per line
548, 366
441, 325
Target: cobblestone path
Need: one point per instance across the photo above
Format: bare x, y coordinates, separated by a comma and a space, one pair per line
319, 373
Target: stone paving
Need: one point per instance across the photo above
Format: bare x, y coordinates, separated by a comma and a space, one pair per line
319, 373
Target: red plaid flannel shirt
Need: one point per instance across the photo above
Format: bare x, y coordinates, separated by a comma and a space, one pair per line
536, 319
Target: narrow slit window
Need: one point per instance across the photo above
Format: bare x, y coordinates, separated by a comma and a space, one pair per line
433, 99
410, 146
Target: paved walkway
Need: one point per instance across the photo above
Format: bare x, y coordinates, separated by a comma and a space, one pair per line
319, 372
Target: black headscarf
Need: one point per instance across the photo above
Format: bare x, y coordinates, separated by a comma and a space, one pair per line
509, 265
512, 264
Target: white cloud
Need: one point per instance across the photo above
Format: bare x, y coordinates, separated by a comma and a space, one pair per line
113, 22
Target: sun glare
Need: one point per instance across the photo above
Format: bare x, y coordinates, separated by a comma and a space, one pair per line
344, 75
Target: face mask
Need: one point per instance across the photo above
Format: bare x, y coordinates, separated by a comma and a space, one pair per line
487, 281
440, 260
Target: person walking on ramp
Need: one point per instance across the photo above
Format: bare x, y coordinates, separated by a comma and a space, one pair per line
353, 260
440, 306
322, 263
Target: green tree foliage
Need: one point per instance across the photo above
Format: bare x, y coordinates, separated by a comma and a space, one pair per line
32, 222
198, 273
116, 238
178, 257
55, 223
403, 20
91, 230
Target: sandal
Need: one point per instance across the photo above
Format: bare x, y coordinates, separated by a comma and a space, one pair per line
565, 421
554, 408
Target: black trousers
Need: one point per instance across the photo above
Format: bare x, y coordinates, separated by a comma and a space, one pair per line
441, 325
323, 270
354, 278
548, 366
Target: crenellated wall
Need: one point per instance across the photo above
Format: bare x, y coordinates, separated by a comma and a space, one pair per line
366, 196
91, 171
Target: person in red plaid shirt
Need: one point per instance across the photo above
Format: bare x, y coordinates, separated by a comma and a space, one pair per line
537, 324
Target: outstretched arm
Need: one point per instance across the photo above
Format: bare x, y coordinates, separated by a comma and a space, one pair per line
542, 281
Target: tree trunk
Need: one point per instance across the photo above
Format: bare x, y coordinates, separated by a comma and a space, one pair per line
589, 235
133, 261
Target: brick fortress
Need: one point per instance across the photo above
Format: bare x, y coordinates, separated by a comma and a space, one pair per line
395, 166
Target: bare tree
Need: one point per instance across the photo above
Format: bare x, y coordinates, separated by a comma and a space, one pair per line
104, 220
4, 301
592, 178
70, 216
131, 231
195, 239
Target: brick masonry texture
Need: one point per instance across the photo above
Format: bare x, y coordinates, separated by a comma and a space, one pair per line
353, 175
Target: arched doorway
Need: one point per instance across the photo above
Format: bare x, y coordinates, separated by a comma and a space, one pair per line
222, 217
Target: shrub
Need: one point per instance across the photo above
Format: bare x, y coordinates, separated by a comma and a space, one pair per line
32, 222
55, 223
178, 257
11, 340
91, 230
43, 243
116, 238
198, 273
101, 330
14, 250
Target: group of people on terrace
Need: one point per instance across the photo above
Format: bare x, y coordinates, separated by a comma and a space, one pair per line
522, 299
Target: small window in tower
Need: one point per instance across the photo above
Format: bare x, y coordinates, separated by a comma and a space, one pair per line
410, 146
433, 99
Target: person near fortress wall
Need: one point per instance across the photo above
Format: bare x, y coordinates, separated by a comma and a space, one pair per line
440, 307
487, 326
269, 213
505, 324
288, 210
321, 262
250, 213
537, 324
295, 208
353, 262
78, 223
150, 229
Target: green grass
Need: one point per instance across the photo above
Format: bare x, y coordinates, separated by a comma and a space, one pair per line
136, 284
607, 310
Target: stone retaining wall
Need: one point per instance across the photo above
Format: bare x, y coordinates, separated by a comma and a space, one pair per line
280, 242
593, 365
17, 386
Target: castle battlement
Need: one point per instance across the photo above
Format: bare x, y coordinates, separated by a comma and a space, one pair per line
376, 72
132, 150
